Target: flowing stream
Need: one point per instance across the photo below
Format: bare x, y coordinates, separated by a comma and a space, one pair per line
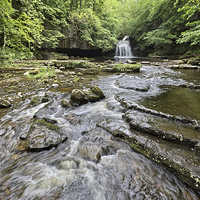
91, 164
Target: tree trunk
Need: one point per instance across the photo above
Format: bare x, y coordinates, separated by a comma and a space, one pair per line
4, 38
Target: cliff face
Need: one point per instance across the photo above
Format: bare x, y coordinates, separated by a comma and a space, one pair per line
83, 45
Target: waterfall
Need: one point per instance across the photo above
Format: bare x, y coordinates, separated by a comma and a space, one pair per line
123, 49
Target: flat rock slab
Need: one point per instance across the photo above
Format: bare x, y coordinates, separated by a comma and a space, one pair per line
42, 135
145, 63
184, 66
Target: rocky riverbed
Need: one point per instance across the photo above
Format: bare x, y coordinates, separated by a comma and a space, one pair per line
85, 131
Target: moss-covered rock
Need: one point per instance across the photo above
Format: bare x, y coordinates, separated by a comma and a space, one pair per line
35, 71
13, 83
91, 96
194, 61
88, 95
66, 103
45, 80
42, 135
79, 97
45, 99
63, 58
35, 101
96, 90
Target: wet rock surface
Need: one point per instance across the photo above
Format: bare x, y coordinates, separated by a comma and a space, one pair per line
166, 135
42, 135
188, 172
81, 97
54, 149
4, 103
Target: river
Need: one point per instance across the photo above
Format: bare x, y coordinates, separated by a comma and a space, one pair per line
91, 164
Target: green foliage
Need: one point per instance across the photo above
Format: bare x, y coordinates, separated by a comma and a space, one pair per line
155, 26
87, 26
43, 73
161, 26
26, 25
191, 13
54, 21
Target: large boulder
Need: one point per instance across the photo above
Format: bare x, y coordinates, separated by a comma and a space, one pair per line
4, 103
91, 96
79, 97
42, 135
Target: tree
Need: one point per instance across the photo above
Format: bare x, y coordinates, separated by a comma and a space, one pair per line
21, 28
6, 21
54, 15
191, 13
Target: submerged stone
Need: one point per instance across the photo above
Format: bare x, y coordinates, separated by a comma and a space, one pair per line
66, 103
4, 103
83, 71
35, 101
68, 164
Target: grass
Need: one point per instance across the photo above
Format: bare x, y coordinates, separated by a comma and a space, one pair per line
76, 79
42, 73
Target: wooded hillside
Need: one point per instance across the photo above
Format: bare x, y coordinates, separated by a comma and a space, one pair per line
162, 27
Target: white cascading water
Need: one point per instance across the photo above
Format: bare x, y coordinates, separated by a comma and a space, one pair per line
123, 48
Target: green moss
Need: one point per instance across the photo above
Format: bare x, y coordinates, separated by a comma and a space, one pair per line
97, 91
50, 126
45, 80
35, 101
79, 64
128, 67
42, 73
76, 79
